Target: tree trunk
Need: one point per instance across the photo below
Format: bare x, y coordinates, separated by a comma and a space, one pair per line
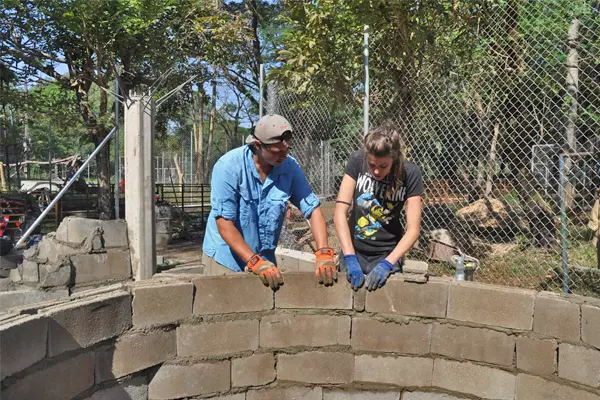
572, 65
491, 168
26, 135
211, 126
199, 136
178, 169
103, 168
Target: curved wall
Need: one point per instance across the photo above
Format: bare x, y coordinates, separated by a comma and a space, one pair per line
230, 337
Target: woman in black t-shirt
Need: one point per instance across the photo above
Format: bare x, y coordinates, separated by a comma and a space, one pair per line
378, 182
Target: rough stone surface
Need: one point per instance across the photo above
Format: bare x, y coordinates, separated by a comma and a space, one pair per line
134, 389
371, 335
115, 233
63, 380
406, 298
556, 317
162, 304
465, 343
114, 264
280, 331
302, 290
214, 294
286, 393
536, 356
74, 231
50, 250
30, 271
359, 300
429, 396
84, 323
315, 367
256, 370
535, 388
177, 381
480, 381
134, 353
18, 298
22, 343
397, 371
97, 243
491, 305
58, 274
15, 275
415, 267
359, 395
590, 325
579, 364
217, 338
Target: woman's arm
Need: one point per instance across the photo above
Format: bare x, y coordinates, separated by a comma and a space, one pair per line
340, 217
413, 229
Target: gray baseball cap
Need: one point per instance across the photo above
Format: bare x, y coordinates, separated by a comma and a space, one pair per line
270, 129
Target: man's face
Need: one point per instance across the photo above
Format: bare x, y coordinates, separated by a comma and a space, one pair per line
275, 154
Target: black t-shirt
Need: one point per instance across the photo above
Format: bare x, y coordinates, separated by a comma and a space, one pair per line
374, 220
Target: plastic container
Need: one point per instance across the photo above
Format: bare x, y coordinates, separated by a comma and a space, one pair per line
469, 269
460, 269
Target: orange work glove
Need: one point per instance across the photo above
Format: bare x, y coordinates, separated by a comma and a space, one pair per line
266, 270
325, 267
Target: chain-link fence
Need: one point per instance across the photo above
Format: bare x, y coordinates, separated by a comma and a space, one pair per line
500, 109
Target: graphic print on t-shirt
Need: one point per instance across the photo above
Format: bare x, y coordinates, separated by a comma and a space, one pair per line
373, 214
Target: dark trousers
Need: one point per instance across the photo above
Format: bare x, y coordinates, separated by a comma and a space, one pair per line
369, 261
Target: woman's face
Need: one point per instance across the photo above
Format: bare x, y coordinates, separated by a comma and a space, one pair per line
379, 167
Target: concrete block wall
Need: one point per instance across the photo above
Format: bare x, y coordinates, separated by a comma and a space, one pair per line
230, 337
82, 253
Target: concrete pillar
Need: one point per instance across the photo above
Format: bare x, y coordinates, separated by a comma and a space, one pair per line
139, 185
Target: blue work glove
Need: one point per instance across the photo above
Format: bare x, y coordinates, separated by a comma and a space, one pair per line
379, 274
354, 272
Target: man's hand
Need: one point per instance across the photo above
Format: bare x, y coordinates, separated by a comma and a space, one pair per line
266, 270
325, 268
354, 272
379, 274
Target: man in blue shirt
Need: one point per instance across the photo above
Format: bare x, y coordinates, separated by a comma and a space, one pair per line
250, 188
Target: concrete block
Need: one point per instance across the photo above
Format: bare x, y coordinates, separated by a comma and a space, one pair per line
17, 298
59, 381
590, 325
286, 259
22, 343
491, 305
579, 364
336, 394
114, 233
315, 367
162, 304
74, 231
302, 290
415, 267
429, 396
133, 389
371, 335
30, 253
536, 356
134, 353
395, 371
465, 343
535, 388
178, 381
114, 264
359, 299
281, 331
256, 370
477, 380
407, 298
15, 275
556, 317
237, 396
83, 323
217, 338
30, 271
286, 393
306, 262
58, 274
231, 294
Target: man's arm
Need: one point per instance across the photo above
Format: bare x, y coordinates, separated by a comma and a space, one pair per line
232, 236
319, 228
413, 229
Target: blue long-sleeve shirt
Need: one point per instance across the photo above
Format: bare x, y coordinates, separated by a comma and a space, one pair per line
256, 208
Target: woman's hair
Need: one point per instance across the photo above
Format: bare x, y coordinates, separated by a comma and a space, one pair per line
385, 141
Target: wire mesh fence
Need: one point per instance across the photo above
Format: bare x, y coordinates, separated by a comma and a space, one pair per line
503, 121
